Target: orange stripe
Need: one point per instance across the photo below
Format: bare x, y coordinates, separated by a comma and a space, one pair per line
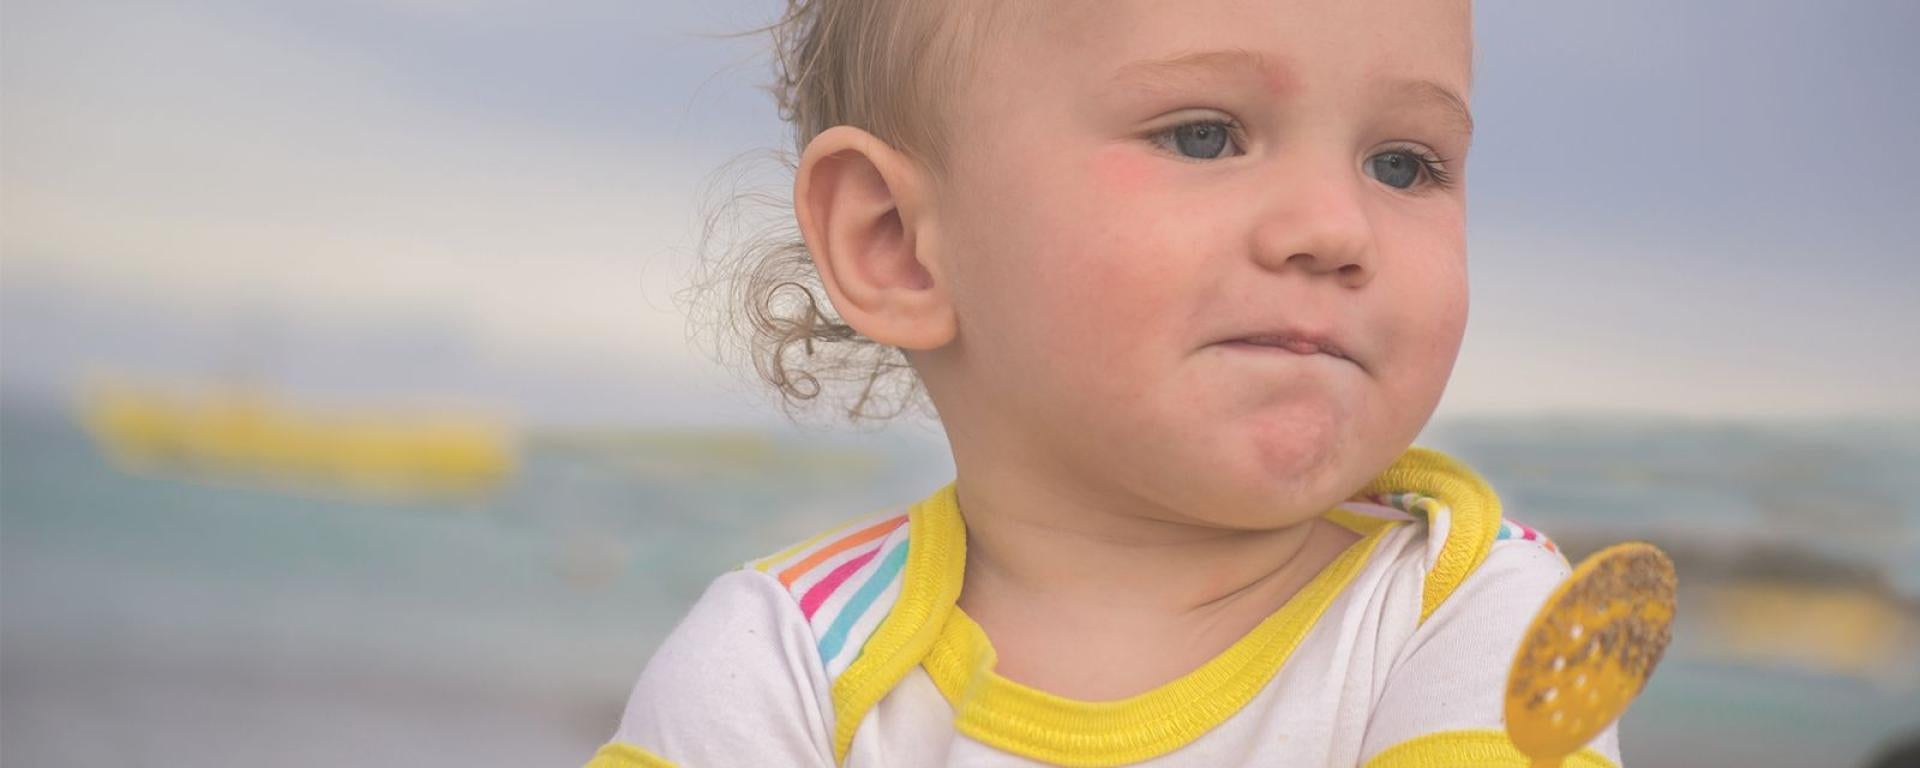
867, 534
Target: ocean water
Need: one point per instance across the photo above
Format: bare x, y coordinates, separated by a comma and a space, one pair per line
169, 622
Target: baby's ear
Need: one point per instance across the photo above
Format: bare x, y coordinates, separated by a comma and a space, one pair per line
862, 209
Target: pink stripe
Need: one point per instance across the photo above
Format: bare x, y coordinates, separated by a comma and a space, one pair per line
820, 591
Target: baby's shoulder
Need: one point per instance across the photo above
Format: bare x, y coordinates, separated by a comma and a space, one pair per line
1447, 550
1520, 567
1456, 595
843, 580
1430, 561
1459, 532
756, 660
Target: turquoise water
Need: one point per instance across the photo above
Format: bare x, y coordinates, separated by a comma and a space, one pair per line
193, 625
1825, 504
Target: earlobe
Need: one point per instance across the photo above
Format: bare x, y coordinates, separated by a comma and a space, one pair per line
860, 206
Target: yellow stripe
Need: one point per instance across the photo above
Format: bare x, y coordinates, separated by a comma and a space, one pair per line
1473, 519
1034, 724
793, 572
1481, 747
618, 755
768, 562
936, 563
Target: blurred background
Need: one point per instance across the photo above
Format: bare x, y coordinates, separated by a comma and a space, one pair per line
347, 415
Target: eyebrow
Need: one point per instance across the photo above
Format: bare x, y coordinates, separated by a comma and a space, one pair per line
1438, 95
1186, 70
1183, 70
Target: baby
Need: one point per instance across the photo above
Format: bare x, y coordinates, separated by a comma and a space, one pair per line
1182, 281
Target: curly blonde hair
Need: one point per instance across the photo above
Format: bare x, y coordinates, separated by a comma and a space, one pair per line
877, 65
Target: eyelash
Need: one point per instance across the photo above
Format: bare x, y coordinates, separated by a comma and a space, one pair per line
1164, 138
1433, 166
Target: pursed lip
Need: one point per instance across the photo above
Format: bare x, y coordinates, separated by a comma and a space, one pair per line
1296, 341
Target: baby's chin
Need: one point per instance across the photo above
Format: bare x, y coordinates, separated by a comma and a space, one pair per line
1282, 470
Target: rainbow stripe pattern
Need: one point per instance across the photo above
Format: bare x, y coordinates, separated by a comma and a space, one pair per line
1414, 504
1427, 507
1511, 529
1430, 509
845, 581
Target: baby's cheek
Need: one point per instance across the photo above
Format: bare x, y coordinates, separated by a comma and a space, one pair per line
1121, 171
1095, 223
1091, 307
1103, 266
1427, 350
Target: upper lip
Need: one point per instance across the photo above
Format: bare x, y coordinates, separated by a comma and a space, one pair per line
1295, 338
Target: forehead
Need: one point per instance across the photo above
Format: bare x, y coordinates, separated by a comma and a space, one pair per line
1332, 45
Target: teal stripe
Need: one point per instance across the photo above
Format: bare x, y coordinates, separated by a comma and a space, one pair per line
836, 635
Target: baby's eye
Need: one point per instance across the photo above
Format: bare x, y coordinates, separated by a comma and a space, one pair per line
1199, 140
1401, 168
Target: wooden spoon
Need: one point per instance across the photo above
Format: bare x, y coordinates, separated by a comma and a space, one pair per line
1589, 651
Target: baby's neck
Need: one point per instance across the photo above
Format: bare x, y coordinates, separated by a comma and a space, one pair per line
1094, 605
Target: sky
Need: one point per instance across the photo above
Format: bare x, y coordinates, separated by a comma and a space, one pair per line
1694, 209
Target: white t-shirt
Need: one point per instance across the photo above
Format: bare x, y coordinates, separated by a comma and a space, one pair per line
848, 650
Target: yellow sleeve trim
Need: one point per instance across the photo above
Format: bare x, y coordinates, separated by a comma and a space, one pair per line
1483, 747
1473, 519
619, 755
936, 563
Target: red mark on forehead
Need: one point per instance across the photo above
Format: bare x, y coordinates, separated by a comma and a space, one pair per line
1280, 80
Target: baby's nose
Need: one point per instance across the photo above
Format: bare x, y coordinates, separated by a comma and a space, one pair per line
1320, 227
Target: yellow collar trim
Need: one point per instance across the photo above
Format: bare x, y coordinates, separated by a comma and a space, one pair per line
936, 565
1473, 519
1032, 723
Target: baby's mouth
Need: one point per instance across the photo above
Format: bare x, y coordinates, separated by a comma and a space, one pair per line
1296, 344
1290, 343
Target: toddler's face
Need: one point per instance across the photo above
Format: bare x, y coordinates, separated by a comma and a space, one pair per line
1137, 183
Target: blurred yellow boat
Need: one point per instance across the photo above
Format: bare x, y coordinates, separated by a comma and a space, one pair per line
250, 436
1835, 629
